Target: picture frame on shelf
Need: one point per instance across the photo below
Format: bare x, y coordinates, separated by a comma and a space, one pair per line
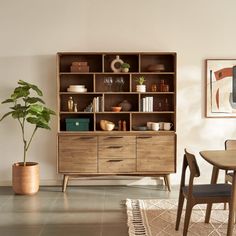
220, 87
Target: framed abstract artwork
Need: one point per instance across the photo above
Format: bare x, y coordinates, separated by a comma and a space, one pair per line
221, 88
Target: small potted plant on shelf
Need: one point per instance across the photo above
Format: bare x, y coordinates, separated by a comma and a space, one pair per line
125, 67
27, 107
140, 87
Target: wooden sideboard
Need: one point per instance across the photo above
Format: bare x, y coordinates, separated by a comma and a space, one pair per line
96, 152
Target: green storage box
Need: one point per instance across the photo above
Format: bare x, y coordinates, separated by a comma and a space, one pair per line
80, 124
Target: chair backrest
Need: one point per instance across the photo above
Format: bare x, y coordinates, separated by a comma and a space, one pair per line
230, 144
191, 162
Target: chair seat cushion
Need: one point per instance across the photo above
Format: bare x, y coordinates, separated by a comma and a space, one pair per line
210, 190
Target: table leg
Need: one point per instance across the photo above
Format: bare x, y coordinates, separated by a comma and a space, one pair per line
232, 207
214, 177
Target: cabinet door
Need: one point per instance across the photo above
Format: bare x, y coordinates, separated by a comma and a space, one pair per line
77, 154
156, 154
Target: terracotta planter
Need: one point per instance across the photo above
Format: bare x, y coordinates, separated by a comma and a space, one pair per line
25, 179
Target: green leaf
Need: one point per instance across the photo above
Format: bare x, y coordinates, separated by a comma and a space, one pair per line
7, 114
37, 90
9, 100
18, 114
36, 109
32, 86
32, 100
32, 120
20, 92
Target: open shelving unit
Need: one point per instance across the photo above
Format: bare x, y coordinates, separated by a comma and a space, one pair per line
163, 110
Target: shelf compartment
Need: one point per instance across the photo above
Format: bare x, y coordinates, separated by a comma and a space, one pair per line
112, 100
141, 119
63, 118
168, 60
94, 61
113, 117
76, 79
100, 86
131, 59
161, 102
154, 78
81, 99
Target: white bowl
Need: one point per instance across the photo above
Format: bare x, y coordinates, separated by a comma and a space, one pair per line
75, 90
109, 126
77, 86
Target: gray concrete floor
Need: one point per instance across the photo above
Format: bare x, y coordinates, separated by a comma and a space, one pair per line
81, 211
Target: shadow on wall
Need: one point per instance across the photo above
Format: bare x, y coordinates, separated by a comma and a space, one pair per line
40, 70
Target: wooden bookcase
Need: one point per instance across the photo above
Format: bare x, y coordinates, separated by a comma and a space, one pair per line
96, 152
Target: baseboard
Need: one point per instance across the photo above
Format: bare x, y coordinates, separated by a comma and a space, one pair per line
114, 180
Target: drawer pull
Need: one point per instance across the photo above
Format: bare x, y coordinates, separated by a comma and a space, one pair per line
144, 137
114, 137
114, 160
86, 138
115, 146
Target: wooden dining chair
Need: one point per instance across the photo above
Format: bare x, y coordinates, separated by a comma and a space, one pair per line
197, 194
230, 144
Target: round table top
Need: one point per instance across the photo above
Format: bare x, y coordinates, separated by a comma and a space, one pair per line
223, 159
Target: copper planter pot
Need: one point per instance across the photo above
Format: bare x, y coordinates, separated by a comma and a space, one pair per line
25, 179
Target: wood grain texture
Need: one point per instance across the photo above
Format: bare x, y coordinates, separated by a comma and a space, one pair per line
77, 154
117, 147
156, 153
116, 165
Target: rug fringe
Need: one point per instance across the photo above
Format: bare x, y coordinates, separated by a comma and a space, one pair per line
135, 222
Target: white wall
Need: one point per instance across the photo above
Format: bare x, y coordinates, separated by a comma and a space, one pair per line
32, 32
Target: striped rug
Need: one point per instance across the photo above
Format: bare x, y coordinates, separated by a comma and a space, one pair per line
156, 217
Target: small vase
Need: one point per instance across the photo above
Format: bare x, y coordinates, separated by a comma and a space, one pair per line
126, 106
116, 64
141, 88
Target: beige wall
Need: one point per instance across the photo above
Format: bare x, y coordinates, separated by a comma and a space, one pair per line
32, 32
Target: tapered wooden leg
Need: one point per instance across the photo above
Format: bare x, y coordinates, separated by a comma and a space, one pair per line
225, 204
167, 182
232, 207
65, 181
214, 178
187, 216
179, 211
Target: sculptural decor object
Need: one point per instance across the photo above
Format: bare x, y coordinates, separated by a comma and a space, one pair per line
125, 105
116, 64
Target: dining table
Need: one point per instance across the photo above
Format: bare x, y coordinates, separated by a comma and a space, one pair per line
225, 160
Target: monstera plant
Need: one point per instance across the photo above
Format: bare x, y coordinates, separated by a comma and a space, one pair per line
29, 110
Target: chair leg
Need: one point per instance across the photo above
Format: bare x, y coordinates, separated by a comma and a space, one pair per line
225, 204
187, 216
179, 211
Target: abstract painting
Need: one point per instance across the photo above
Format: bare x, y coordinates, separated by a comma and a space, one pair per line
221, 88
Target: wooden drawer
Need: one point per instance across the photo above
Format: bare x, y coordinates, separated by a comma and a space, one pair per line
116, 140
117, 147
117, 165
77, 154
156, 153
117, 151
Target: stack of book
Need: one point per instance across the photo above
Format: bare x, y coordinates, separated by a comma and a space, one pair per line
98, 104
146, 104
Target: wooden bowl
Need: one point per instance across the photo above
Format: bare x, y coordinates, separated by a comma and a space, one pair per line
116, 109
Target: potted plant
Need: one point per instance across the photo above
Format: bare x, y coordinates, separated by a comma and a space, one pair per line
125, 67
27, 107
140, 87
